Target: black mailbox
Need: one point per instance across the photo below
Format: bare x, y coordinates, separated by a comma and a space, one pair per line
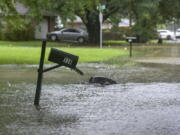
63, 58
131, 39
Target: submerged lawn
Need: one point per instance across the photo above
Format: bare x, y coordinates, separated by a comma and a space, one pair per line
31, 55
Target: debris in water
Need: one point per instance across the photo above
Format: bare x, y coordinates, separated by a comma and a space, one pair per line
102, 80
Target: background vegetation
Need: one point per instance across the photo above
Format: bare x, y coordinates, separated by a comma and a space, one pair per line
146, 14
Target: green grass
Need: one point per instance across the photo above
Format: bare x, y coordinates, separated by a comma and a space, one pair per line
115, 42
31, 43
31, 55
28, 52
155, 41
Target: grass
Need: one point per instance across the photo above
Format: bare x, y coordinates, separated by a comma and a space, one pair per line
155, 41
67, 44
28, 52
115, 42
30, 55
31, 43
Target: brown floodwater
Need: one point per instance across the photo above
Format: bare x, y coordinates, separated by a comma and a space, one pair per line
146, 100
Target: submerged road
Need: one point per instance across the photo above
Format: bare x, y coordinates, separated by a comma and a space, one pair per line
161, 60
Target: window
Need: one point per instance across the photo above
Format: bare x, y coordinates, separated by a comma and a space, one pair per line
71, 30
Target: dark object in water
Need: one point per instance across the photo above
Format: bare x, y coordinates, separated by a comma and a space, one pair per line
102, 80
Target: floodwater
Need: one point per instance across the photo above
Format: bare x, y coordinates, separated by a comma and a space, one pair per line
146, 101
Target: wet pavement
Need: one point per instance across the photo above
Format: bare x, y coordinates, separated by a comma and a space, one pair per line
146, 100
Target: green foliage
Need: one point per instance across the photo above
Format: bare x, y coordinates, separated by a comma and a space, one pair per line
116, 33
169, 9
143, 29
146, 18
145, 13
37, 8
18, 28
85, 9
112, 36
6, 7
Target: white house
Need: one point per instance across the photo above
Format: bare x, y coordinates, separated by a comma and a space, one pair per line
125, 22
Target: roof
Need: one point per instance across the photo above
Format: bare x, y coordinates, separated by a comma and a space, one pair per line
21, 8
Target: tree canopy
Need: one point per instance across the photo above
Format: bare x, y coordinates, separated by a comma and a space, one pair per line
169, 9
6, 6
145, 13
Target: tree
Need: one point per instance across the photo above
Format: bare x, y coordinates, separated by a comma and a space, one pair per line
169, 9
145, 13
14, 26
88, 12
6, 9
146, 16
85, 9
6, 6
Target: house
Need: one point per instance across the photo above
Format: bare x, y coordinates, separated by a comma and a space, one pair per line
44, 26
47, 24
124, 22
77, 23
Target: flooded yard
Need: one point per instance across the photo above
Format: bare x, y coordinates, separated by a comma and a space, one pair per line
146, 100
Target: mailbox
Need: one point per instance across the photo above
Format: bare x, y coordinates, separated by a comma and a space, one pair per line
131, 39
63, 58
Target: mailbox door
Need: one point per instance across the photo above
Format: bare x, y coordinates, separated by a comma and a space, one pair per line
63, 58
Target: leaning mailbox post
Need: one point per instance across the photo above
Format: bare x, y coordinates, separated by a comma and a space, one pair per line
59, 57
40, 74
130, 40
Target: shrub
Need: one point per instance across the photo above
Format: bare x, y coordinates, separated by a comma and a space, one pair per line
112, 36
18, 29
116, 33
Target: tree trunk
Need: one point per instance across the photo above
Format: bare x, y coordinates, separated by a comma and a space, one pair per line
91, 20
94, 32
93, 28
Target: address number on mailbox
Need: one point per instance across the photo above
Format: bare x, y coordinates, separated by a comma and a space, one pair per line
67, 61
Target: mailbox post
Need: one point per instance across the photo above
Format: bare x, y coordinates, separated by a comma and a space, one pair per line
61, 59
40, 74
130, 40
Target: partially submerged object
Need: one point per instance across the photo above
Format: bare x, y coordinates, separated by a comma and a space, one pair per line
102, 80
61, 59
